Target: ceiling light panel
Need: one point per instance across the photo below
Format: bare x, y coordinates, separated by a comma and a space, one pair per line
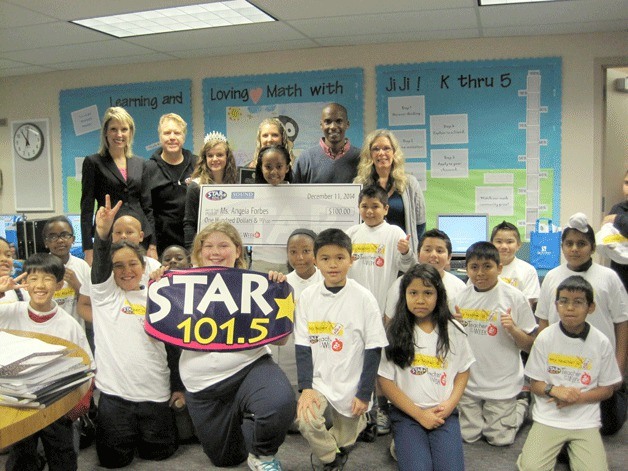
166, 20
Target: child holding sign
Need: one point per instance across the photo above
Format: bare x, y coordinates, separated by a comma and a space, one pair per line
241, 402
132, 376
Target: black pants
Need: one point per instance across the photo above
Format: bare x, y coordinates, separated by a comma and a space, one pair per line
58, 441
123, 426
249, 412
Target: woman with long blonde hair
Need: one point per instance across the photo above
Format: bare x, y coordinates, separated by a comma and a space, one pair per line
382, 163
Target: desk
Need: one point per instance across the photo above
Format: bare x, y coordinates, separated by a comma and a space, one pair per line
16, 424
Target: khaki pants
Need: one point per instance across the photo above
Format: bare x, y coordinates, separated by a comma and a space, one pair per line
584, 446
497, 420
324, 443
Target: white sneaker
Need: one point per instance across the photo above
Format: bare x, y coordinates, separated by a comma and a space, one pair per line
263, 463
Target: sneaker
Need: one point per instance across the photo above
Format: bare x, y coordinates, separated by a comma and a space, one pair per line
263, 463
339, 462
369, 434
383, 422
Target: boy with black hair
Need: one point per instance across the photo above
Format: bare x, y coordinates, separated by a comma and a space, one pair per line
516, 272
572, 368
434, 249
339, 336
43, 276
499, 322
58, 236
380, 250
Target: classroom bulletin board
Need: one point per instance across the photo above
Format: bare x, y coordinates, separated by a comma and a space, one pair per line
480, 136
81, 112
236, 105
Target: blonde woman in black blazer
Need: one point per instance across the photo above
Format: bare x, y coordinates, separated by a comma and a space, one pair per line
115, 172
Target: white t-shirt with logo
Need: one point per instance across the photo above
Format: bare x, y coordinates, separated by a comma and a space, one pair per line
338, 327
498, 370
560, 360
430, 380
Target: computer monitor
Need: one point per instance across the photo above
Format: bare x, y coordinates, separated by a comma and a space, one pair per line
77, 246
463, 230
8, 227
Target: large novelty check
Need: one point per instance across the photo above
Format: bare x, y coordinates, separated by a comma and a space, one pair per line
267, 215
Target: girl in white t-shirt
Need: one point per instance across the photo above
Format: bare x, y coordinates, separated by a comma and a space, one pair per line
241, 402
423, 373
275, 168
305, 273
132, 375
10, 288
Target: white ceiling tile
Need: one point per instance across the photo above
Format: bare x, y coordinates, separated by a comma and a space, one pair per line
562, 28
104, 61
399, 37
291, 10
574, 11
251, 48
218, 37
14, 15
46, 35
76, 52
25, 70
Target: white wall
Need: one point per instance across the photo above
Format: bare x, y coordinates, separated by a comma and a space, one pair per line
37, 96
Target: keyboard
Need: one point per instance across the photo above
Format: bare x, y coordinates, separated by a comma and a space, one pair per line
458, 264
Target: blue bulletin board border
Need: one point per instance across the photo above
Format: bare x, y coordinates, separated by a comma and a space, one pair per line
236, 105
481, 136
81, 111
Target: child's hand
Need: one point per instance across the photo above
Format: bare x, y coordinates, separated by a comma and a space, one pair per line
564, 396
457, 313
404, 245
506, 321
276, 276
157, 274
72, 280
444, 409
105, 216
8, 283
177, 400
359, 407
307, 402
429, 418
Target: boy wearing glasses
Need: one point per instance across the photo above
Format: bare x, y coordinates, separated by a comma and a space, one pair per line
58, 239
572, 368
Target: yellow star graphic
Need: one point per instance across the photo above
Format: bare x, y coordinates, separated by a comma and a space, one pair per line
286, 307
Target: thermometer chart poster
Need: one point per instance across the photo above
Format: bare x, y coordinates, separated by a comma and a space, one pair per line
480, 136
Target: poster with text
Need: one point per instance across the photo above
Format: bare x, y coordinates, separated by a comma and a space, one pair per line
82, 110
235, 106
487, 135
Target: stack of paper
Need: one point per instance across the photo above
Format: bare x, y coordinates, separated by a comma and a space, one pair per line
34, 373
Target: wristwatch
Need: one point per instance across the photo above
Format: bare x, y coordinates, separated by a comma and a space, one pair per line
548, 390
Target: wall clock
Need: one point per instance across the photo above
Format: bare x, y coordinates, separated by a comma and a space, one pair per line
28, 141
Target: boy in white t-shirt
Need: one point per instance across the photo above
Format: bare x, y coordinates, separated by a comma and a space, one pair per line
515, 272
339, 336
58, 238
434, 249
380, 250
499, 322
43, 275
572, 368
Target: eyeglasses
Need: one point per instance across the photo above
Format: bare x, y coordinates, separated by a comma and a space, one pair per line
577, 303
385, 149
56, 237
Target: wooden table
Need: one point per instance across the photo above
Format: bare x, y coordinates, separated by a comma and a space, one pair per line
16, 424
